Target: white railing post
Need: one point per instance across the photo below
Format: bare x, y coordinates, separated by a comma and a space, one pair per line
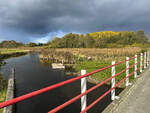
147, 58
141, 60
127, 71
113, 81
144, 60
135, 67
83, 89
113, 97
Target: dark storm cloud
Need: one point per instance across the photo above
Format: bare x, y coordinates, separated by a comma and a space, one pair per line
40, 17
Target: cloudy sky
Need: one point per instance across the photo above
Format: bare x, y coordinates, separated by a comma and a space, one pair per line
41, 20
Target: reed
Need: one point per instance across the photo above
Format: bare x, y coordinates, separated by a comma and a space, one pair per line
103, 53
54, 56
101, 58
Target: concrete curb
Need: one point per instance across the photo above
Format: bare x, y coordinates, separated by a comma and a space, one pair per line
111, 108
10, 92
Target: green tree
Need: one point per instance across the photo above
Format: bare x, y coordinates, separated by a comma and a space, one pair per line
89, 41
141, 37
31, 44
100, 39
10, 44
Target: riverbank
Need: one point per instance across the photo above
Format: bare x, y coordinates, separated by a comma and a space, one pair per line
3, 90
96, 78
3, 97
92, 59
4, 54
28, 67
10, 92
93, 65
7, 53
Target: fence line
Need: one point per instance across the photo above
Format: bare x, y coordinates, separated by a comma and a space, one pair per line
101, 97
84, 90
52, 87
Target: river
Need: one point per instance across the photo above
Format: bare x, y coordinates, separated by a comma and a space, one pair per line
31, 75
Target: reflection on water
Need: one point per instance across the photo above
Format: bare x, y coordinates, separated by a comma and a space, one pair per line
31, 76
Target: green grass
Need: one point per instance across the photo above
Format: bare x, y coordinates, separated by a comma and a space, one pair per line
90, 66
7, 53
11, 51
1, 110
2, 97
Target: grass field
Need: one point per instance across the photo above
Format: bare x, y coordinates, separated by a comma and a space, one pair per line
102, 58
2, 97
11, 51
90, 66
7, 53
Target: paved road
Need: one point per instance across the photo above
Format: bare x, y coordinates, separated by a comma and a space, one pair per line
139, 99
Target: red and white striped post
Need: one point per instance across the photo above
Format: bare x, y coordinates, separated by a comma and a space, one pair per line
83, 89
144, 60
113, 96
141, 60
135, 67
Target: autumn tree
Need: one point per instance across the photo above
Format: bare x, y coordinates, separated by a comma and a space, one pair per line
100, 39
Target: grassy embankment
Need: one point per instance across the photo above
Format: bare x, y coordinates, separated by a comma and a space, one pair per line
102, 58
7, 53
2, 97
3, 90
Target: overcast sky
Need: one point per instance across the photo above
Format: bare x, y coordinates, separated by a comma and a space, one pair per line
41, 20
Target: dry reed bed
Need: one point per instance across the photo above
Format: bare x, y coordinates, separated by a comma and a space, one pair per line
95, 53
54, 56
98, 53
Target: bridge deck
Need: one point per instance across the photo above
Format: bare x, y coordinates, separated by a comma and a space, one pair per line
138, 101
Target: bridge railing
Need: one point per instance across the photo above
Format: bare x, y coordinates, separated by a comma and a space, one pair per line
84, 91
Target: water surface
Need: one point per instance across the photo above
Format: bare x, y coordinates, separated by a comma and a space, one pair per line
31, 75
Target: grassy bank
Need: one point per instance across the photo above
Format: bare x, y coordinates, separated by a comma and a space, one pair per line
7, 53
2, 97
93, 65
4, 54
101, 58
3, 90
104, 57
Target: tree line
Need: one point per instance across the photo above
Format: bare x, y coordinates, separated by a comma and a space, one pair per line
105, 39
100, 40
14, 44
